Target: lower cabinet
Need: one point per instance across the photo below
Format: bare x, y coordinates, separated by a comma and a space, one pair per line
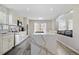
0, 44
11, 42
6, 43
19, 37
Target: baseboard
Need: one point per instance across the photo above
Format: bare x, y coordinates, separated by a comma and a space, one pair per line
68, 47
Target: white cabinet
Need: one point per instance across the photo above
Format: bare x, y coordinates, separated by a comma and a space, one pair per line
0, 44
5, 43
17, 39
3, 18
11, 41
20, 36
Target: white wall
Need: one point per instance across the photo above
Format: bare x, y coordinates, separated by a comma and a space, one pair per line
76, 27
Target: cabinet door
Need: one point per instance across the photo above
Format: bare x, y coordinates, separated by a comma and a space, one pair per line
0, 45
17, 39
5, 44
11, 41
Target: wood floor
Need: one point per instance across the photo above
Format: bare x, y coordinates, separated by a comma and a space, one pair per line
25, 49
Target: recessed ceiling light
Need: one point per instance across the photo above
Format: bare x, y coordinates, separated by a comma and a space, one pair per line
71, 11
40, 18
51, 9
27, 9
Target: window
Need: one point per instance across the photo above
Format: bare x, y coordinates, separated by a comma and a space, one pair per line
62, 25
39, 27
70, 24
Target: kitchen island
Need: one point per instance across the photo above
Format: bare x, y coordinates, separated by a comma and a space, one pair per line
44, 44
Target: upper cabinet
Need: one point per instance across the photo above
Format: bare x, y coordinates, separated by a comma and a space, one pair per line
4, 15
7, 16
12, 17
3, 18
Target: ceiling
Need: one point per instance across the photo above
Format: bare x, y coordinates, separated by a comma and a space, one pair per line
40, 10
